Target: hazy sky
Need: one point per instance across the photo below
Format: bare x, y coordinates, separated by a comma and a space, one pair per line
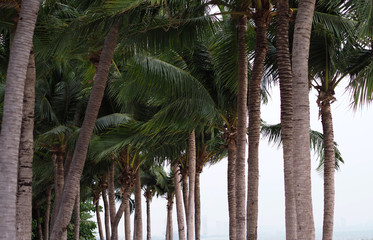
354, 195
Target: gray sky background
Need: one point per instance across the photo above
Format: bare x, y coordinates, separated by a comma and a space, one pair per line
354, 195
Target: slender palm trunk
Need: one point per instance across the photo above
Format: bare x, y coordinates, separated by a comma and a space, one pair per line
77, 216
185, 179
107, 214
192, 175
137, 234
111, 194
231, 187
47, 213
179, 203
58, 161
77, 164
301, 120
127, 222
119, 214
38, 223
26, 152
170, 229
286, 94
148, 219
241, 130
12, 116
329, 166
99, 222
261, 19
198, 206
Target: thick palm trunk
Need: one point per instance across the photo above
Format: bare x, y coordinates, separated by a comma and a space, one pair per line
26, 152
261, 19
192, 175
148, 219
127, 222
12, 116
198, 206
231, 187
77, 216
111, 194
137, 234
329, 165
99, 222
77, 164
301, 120
107, 214
241, 130
179, 203
47, 213
286, 94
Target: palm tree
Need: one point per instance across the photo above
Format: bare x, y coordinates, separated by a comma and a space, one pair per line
12, 115
302, 175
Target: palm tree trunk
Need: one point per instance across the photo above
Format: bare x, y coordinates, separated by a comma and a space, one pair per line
192, 175
286, 94
241, 130
138, 211
329, 166
301, 120
148, 219
179, 203
26, 152
38, 223
77, 164
107, 214
99, 222
198, 206
77, 216
231, 188
185, 180
170, 229
58, 159
12, 116
119, 214
111, 194
127, 222
47, 213
261, 19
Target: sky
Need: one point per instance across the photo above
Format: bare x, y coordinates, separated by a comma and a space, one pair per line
353, 182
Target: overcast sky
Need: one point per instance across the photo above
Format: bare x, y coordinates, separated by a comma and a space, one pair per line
354, 195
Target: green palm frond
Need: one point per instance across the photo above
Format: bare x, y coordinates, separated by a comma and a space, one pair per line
105, 123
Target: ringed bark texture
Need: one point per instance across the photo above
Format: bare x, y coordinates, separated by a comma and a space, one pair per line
261, 19
12, 116
26, 153
286, 95
329, 166
77, 164
301, 120
241, 130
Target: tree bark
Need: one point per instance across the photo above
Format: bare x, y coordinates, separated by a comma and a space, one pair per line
179, 203
241, 129
148, 219
127, 222
47, 213
192, 175
198, 207
77, 216
12, 116
26, 153
329, 166
38, 223
73, 177
107, 214
301, 120
99, 222
137, 232
59, 181
286, 94
119, 214
111, 194
185, 180
231, 188
170, 229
